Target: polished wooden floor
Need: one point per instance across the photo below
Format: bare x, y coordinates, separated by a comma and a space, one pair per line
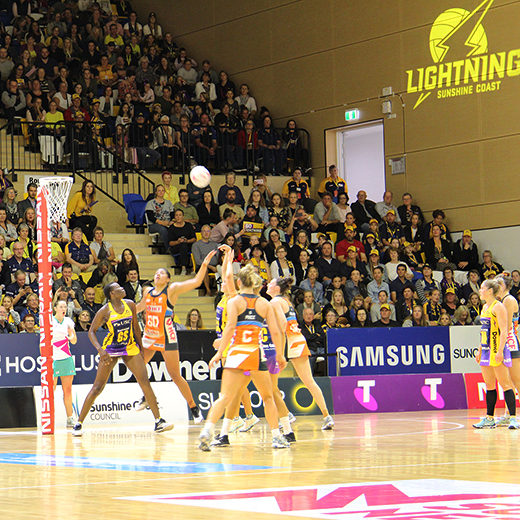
58, 476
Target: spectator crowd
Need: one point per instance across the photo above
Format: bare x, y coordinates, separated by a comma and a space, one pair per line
91, 84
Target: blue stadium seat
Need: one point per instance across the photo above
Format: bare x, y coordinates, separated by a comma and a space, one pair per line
134, 206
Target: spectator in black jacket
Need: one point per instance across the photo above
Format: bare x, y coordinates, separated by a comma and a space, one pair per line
313, 334
133, 287
438, 219
140, 138
364, 210
328, 267
465, 252
489, 269
438, 250
407, 210
89, 304
473, 285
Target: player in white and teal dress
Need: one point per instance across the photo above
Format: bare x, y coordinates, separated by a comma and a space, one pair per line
62, 336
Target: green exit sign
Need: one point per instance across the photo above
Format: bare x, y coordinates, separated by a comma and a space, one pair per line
351, 115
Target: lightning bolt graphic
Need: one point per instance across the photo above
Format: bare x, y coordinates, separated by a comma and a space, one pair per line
422, 97
474, 46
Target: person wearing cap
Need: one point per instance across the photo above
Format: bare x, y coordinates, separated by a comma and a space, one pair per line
489, 268
333, 184
365, 211
370, 243
425, 285
465, 252
140, 138
326, 214
386, 205
377, 284
352, 262
348, 241
390, 228
407, 210
385, 320
75, 109
373, 262
450, 302
152, 27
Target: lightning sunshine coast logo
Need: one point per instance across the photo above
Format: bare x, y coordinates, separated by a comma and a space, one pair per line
478, 72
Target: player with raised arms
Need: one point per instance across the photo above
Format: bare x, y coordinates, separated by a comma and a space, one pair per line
232, 420
160, 333
122, 341
297, 350
243, 334
493, 355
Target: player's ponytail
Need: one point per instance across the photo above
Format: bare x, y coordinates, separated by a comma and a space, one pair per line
248, 278
285, 285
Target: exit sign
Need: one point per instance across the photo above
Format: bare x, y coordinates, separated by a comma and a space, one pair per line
351, 115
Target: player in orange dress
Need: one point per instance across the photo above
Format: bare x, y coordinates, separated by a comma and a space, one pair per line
297, 350
160, 333
243, 334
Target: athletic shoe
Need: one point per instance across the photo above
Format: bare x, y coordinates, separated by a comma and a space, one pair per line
77, 430
197, 415
292, 418
162, 426
279, 442
485, 423
290, 437
183, 271
237, 423
71, 422
328, 423
249, 423
143, 405
513, 423
205, 440
503, 422
220, 440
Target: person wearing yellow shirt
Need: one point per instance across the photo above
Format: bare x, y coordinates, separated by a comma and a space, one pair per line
171, 192
112, 36
79, 209
333, 184
105, 74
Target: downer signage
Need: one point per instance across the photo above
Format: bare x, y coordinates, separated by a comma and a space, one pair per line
414, 350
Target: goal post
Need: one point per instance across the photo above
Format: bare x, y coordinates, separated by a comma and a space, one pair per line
51, 205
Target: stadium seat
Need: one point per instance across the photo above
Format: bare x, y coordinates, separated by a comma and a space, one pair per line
134, 206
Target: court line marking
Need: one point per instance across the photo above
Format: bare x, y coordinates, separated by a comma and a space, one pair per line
251, 473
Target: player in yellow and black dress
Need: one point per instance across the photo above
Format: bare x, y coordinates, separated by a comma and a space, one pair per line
122, 341
494, 356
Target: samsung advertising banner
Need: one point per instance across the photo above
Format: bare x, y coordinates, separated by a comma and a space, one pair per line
399, 393
414, 350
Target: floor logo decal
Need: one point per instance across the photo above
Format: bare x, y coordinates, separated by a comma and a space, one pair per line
407, 499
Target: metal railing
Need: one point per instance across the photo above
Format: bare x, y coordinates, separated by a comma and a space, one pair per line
117, 159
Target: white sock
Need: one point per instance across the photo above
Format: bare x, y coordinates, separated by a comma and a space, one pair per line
208, 428
226, 424
275, 432
286, 424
